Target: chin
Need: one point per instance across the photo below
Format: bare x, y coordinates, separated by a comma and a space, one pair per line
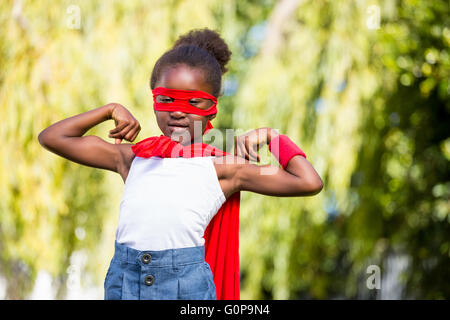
180, 137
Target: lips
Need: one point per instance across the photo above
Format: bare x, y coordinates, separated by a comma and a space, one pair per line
178, 125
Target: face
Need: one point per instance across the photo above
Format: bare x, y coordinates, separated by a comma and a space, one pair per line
183, 77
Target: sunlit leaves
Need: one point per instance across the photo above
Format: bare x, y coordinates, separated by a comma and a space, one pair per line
369, 106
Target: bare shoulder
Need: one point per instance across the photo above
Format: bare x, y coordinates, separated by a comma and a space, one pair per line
126, 158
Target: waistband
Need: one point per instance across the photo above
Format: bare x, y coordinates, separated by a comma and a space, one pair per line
159, 258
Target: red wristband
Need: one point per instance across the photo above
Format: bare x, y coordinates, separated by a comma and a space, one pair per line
284, 149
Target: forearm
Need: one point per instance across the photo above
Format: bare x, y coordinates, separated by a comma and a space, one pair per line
78, 125
296, 165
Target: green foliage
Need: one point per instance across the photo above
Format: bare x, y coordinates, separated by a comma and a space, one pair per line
369, 106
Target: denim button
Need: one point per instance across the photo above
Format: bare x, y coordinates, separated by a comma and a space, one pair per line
146, 258
149, 280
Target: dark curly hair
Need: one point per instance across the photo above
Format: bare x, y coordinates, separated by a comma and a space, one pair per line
199, 48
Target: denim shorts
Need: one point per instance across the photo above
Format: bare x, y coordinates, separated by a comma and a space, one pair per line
159, 275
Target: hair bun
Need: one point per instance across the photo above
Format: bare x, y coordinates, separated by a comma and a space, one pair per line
209, 40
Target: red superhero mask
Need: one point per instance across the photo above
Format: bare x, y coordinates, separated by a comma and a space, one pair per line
180, 101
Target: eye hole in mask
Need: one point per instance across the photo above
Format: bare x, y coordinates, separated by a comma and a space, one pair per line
200, 103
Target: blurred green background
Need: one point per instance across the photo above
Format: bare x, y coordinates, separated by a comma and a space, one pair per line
361, 86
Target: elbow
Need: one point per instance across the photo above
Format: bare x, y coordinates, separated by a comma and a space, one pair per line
317, 187
42, 139
45, 139
312, 188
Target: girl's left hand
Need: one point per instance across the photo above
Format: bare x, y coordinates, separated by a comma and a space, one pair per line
247, 145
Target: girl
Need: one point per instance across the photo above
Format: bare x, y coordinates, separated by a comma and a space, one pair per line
177, 205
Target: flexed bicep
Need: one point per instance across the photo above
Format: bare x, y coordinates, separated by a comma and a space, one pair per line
274, 181
88, 150
65, 138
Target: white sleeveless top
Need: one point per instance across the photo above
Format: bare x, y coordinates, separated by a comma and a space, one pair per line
167, 203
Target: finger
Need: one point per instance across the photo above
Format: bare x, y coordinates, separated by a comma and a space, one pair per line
119, 127
240, 153
116, 131
253, 153
247, 156
244, 153
135, 135
242, 149
247, 147
247, 143
122, 132
118, 141
136, 131
256, 151
130, 134
250, 149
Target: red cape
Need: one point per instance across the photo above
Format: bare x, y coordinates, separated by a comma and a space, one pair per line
222, 234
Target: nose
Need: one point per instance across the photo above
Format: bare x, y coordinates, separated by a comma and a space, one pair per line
177, 114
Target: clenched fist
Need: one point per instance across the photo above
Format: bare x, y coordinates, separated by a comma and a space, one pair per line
247, 145
127, 127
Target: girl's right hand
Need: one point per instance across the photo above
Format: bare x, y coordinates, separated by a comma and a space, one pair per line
248, 145
127, 127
